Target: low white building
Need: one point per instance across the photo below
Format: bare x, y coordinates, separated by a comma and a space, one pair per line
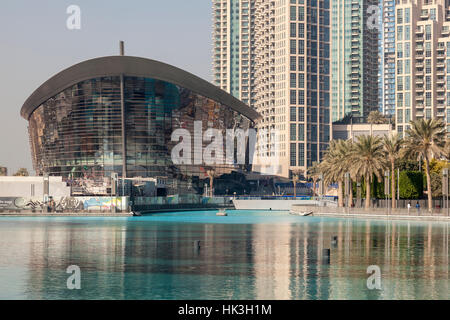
33, 187
351, 131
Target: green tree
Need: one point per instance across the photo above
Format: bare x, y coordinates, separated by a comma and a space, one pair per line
405, 164
391, 147
425, 139
411, 184
368, 161
22, 172
436, 167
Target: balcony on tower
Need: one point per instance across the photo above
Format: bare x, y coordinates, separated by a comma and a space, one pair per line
419, 30
424, 14
440, 89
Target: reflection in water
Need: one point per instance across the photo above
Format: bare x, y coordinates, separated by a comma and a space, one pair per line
276, 258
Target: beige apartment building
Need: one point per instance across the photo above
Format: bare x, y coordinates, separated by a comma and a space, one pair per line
286, 77
354, 130
422, 65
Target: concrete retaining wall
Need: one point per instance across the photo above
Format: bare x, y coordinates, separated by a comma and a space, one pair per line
263, 204
376, 213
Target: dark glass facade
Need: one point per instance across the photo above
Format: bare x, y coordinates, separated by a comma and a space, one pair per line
77, 133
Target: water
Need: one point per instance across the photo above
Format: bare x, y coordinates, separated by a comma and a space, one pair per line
247, 255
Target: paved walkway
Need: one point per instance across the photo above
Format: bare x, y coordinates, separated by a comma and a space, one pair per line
374, 213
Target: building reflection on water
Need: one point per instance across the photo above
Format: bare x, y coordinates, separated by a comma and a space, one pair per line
130, 259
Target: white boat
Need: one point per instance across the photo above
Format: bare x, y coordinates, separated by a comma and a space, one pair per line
303, 213
222, 213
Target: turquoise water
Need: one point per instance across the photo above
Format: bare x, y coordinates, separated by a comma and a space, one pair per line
247, 255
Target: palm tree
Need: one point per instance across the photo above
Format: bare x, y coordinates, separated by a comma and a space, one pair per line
313, 173
335, 164
211, 174
353, 175
295, 179
368, 161
376, 117
425, 139
391, 146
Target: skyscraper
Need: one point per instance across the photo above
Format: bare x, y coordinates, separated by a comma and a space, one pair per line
422, 61
232, 47
289, 69
387, 54
354, 56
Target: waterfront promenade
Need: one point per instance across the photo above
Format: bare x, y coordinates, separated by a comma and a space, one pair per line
65, 214
374, 213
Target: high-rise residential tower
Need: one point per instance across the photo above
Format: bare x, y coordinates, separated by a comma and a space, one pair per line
232, 49
289, 63
422, 61
387, 55
354, 57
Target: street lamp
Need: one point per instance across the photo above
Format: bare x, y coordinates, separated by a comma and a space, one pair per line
45, 190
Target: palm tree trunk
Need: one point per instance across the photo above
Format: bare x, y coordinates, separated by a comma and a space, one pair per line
211, 186
295, 189
430, 196
340, 199
350, 196
314, 186
367, 192
393, 184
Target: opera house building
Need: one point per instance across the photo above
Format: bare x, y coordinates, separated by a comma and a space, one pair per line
117, 114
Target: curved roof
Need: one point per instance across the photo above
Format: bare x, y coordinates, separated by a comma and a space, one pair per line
131, 66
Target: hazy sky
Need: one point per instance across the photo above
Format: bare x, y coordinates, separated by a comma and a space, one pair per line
36, 44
